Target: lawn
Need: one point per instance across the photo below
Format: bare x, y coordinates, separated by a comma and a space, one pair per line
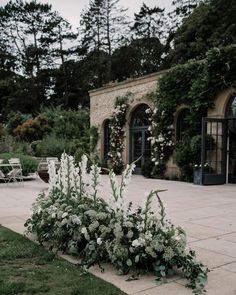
27, 268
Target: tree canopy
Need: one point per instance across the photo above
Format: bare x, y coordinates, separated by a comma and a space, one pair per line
44, 62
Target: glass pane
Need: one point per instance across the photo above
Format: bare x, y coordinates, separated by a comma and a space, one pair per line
231, 112
137, 147
140, 117
232, 150
147, 147
106, 139
182, 123
213, 148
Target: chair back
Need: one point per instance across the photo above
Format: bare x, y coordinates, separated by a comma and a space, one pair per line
2, 176
15, 162
48, 159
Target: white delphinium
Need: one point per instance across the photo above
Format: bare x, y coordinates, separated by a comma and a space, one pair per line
95, 176
52, 176
114, 188
66, 174
118, 191
83, 166
125, 180
81, 186
99, 241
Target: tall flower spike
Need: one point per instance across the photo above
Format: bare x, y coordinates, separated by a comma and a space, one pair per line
95, 181
52, 176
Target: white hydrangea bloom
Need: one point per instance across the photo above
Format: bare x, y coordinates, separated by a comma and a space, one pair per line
99, 241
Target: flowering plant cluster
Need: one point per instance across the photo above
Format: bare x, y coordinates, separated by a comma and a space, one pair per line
72, 217
117, 134
161, 140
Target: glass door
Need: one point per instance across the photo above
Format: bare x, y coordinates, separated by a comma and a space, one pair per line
213, 158
231, 150
140, 148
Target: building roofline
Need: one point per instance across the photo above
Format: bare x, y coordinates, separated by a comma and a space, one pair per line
123, 84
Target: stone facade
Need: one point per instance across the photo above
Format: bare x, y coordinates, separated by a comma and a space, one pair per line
102, 103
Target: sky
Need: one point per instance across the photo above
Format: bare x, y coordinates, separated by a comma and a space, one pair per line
71, 9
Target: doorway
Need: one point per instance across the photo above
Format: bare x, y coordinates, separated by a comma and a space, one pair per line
219, 147
140, 147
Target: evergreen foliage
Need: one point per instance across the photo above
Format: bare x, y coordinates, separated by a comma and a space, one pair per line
194, 84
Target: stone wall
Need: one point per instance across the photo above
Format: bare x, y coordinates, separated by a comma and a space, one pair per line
102, 103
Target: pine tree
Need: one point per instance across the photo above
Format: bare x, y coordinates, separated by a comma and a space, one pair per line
147, 31
34, 36
149, 22
104, 27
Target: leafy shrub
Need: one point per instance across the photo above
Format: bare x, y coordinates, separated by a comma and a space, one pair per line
71, 124
29, 164
51, 145
73, 218
188, 154
14, 119
9, 144
33, 129
147, 168
2, 130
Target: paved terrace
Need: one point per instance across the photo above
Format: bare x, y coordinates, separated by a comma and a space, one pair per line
207, 213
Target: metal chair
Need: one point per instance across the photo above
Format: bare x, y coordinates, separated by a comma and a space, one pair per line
2, 175
16, 170
55, 159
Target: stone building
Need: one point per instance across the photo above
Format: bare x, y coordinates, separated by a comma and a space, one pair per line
220, 124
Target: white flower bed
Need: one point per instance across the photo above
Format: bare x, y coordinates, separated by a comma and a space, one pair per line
72, 217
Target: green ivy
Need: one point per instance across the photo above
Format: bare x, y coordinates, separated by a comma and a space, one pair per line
117, 135
194, 84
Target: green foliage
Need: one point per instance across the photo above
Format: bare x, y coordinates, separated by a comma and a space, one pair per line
28, 163
10, 144
14, 119
2, 130
141, 56
94, 136
51, 145
33, 129
194, 84
70, 133
210, 25
184, 157
147, 168
117, 134
71, 124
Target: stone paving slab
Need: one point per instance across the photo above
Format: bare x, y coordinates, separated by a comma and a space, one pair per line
217, 245
207, 213
210, 258
230, 237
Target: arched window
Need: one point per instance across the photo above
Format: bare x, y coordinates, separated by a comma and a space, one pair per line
106, 139
140, 145
231, 123
140, 117
182, 124
231, 108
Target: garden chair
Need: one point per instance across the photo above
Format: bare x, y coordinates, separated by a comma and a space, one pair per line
55, 160
16, 170
2, 175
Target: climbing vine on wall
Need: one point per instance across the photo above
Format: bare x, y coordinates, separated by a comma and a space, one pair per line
117, 135
194, 84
